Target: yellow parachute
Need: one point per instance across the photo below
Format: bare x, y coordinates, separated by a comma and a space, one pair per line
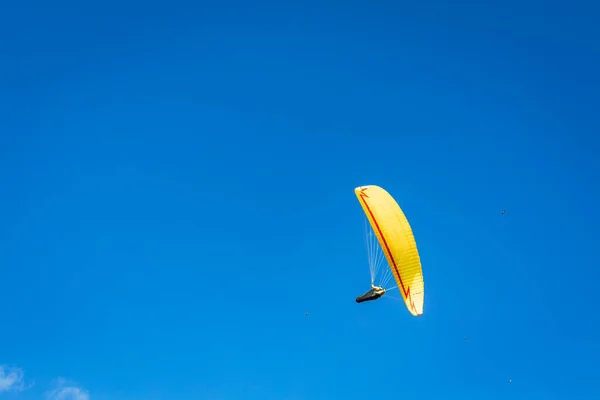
394, 237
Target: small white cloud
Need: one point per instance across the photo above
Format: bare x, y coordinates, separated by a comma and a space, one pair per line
65, 391
11, 379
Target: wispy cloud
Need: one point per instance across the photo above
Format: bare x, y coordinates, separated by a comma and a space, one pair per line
11, 379
65, 391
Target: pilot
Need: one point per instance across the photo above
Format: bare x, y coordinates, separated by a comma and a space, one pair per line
373, 294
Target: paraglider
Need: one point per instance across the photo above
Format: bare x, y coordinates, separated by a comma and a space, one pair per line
391, 234
373, 294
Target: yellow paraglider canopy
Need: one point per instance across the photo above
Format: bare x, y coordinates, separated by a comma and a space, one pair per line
397, 241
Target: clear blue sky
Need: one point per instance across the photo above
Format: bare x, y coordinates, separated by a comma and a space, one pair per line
176, 191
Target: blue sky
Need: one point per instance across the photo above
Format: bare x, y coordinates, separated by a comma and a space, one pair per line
176, 191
